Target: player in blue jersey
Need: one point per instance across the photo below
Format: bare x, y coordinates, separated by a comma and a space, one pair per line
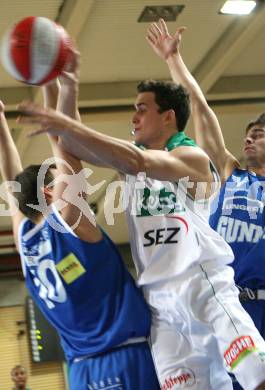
197, 320
74, 271
238, 212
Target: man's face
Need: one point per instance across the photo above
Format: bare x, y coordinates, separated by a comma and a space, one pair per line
147, 121
19, 377
254, 146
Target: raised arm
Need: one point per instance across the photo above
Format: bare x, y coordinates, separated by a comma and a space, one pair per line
208, 133
70, 180
70, 188
10, 167
119, 154
68, 104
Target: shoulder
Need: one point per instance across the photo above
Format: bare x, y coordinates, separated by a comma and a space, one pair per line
236, 175
184, 147
195, 163
191, 154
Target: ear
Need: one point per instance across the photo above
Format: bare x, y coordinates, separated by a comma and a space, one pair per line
170, 117
47, 192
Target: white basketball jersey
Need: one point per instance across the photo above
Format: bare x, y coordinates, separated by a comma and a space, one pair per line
169, 232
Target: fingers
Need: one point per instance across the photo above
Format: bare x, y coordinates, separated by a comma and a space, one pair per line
75, 51
179, 31
29, 120
160, 30
156, 29
69, 76
73, 63
163, 27
34, 114
30, 108
157, 32
154, 32
151, 40
153, 35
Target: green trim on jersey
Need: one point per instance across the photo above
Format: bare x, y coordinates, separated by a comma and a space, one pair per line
178, 139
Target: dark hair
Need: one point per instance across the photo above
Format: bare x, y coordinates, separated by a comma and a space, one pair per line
169, 96
30, 192
258, 121
18, 366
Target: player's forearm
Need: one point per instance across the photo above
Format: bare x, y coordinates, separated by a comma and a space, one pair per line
115, 153
70, 188
50, 94
10, 163
73, 147
68, 104
68, 101
72, 164
208, 133
66, 165
181, 75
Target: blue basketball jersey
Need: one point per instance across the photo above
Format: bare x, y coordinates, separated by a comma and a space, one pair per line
82, 288
238, 215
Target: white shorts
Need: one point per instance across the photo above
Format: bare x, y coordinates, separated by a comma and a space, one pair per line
200, 330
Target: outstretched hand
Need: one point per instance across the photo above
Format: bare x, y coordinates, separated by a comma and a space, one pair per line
50, 121
164, 44
70, 75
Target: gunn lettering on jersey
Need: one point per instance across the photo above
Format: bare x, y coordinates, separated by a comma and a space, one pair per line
161, 236
235, 230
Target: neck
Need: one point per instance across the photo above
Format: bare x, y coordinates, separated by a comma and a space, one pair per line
260, 171
160, 143
157, 145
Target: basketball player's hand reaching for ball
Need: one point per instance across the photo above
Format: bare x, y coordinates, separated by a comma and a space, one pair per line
70, 75
164, 44
50, 121
55, 123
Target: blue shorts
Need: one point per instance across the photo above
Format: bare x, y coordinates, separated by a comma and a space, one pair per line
125, 368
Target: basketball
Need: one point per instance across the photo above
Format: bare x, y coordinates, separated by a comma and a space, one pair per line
35, 50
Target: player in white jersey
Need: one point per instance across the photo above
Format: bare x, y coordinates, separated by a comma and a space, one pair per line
198, 321
237, 213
